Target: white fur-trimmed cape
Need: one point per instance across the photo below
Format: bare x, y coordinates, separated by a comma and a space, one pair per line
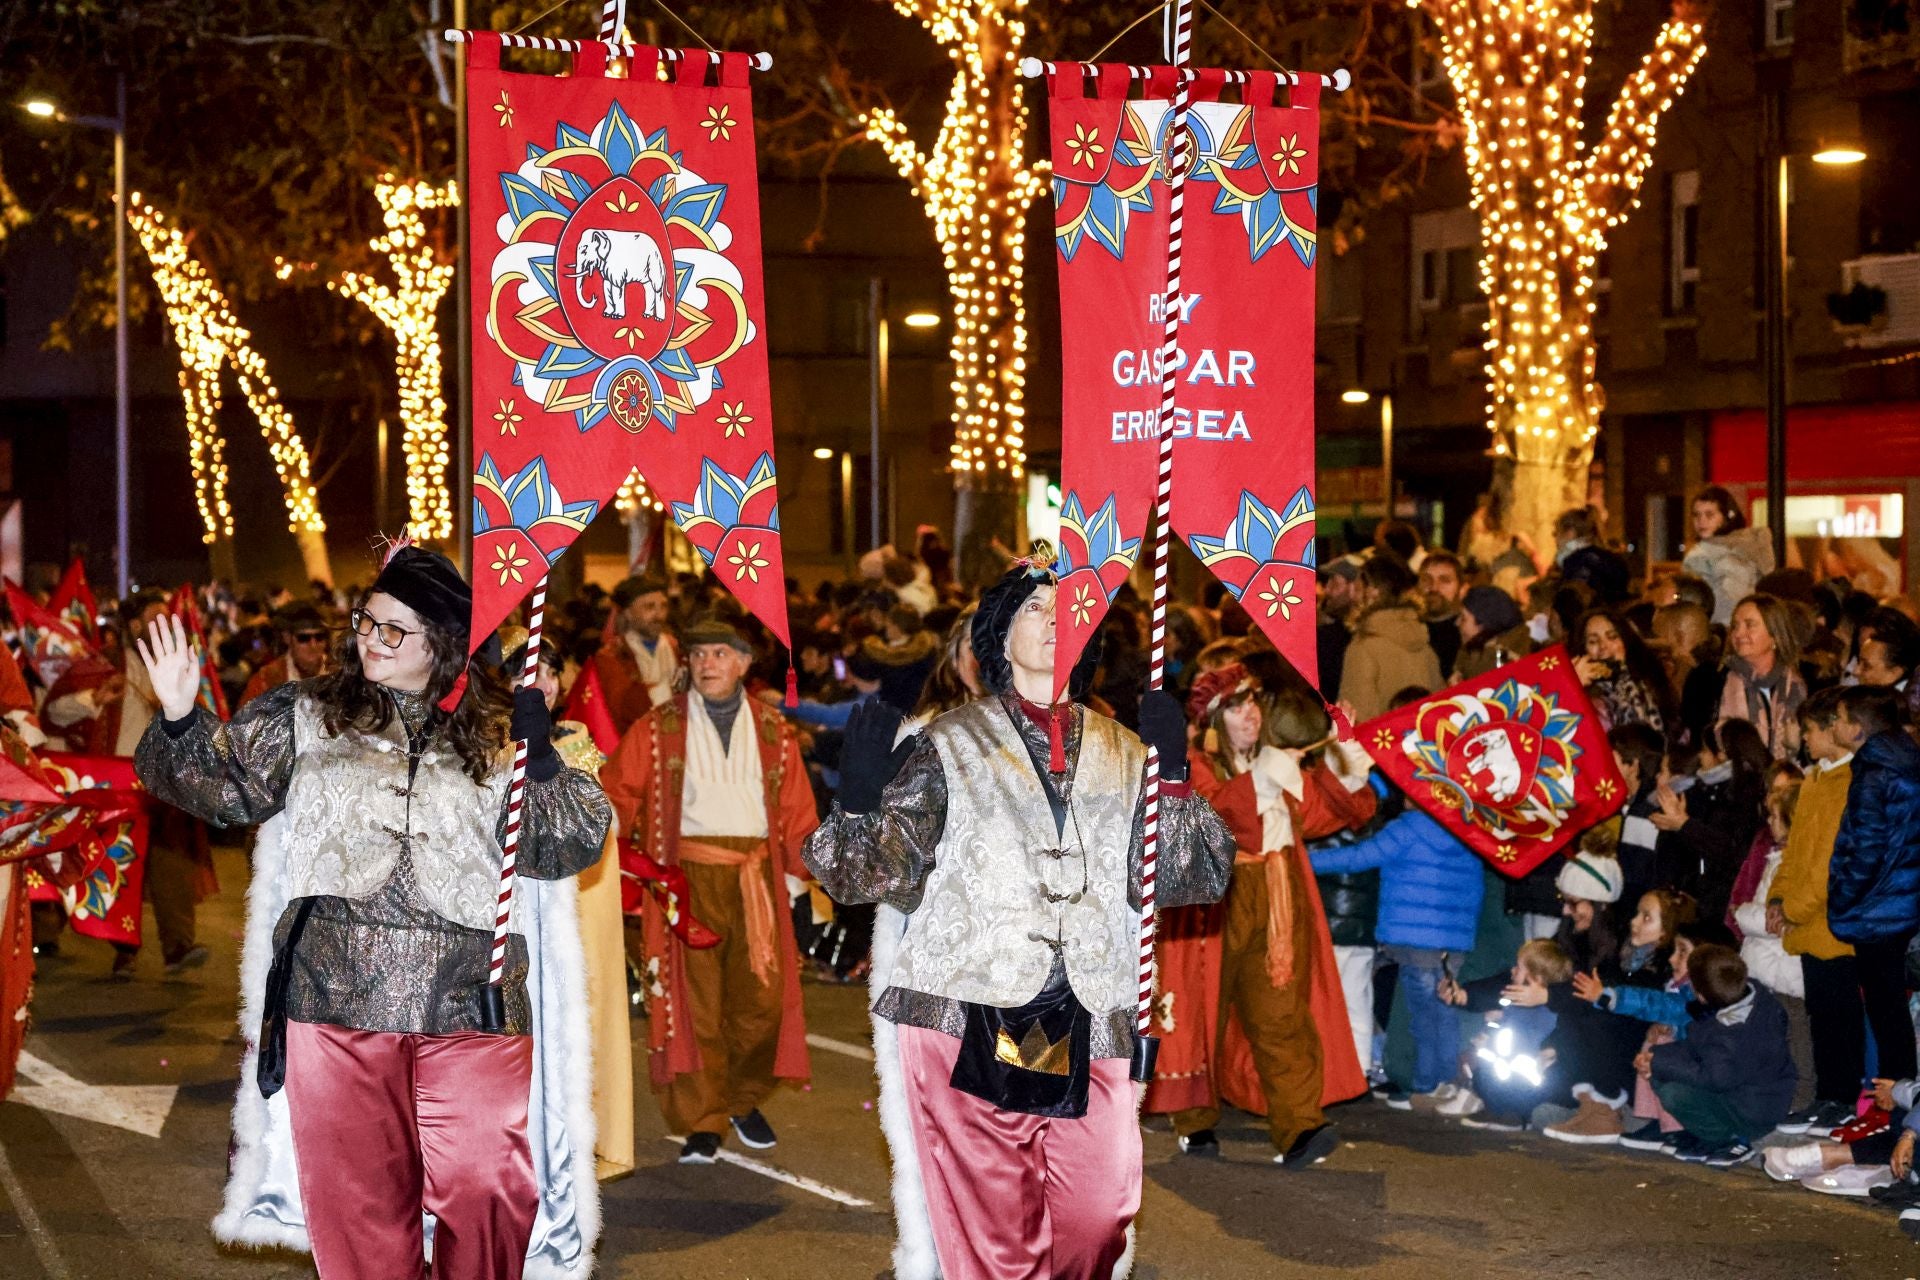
262, 1207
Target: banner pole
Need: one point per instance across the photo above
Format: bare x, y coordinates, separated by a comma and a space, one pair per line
1180, 13
494, 1009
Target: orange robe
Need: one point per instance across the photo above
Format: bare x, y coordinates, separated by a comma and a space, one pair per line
642, 781
1189, 951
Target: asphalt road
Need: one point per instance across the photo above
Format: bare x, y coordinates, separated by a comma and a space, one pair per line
1404, 1196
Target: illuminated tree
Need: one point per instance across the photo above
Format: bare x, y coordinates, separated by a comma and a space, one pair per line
1547, 202
210, 336
976, 187
409, 309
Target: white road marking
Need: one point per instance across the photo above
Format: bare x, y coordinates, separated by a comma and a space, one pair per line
766, 1170
50, 1259
141, 1108
860, 1051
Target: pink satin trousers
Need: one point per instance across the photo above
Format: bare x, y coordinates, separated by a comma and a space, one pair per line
1020, 1197
388, 1125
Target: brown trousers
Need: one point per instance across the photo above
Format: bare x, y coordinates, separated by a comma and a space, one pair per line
736, 1017
1278, 1020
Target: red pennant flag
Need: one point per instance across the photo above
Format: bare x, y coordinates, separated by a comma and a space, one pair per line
16, 970
1110, 238
73, 600
50, 642
1243, 429
618, 318
212, 696
587, 704
1515, 763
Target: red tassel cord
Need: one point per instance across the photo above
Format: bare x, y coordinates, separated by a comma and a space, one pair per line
1056, 739
793, 687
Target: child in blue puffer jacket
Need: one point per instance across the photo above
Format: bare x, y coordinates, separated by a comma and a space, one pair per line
1430, 887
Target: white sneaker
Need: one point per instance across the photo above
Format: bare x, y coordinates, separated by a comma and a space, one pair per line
1428, 1104
1792, 1163
1850, 1180
1462, 1103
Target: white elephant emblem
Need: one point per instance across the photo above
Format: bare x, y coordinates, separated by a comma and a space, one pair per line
621, 258
1491, 758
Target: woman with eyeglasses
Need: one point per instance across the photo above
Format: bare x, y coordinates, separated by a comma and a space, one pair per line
410, 1086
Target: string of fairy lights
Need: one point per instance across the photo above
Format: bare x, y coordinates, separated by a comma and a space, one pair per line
976, 191
1546, 200
635, 496
407, 308
209, 337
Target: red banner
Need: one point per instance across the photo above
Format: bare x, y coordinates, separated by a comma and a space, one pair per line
73, 600
1243, 371
1243, 427
618, 318
1110, 237
1515, 763
50, 643
99, 878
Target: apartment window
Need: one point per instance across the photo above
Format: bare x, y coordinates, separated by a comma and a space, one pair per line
1683, 236
1445, 245
1776, 19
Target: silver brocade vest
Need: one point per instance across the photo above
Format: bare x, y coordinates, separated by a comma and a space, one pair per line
977, 933
349, 812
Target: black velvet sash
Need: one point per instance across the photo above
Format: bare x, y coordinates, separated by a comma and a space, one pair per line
1056, 1033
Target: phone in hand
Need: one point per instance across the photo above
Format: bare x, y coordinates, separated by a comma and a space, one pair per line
1446, 966
839, 667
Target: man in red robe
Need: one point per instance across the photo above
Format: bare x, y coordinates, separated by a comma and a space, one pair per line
637, 659
712, 782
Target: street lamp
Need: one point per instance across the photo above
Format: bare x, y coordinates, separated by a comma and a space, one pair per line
921, 319
1773, 198
1359, 395
115, 124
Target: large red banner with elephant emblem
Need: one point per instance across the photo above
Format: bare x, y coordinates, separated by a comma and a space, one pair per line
1514, 763
618, 317
1243, 402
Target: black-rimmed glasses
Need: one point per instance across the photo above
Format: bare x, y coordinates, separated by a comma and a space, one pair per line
390, 634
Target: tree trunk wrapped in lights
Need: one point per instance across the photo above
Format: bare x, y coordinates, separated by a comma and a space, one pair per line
977, 189
408, 310
209, 335
1547, 202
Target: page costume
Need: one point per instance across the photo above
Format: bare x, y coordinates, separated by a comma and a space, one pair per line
727, 1022
1006, 959
383, 854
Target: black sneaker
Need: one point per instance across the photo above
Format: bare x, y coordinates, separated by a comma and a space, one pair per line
753, 1130
1910, 1224
1904, 1194
192, 958
1646, 1138
1200, 1143
1398, 1099
701, 1148
1729, 1155
1818, 1119
1690, 1149
1497, 1121
1311, 1147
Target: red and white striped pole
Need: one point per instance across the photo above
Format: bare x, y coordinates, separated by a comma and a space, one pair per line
1146, 1046
494, 1010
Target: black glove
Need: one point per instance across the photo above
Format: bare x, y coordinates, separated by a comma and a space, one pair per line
1163, 725
533, 723
868, 758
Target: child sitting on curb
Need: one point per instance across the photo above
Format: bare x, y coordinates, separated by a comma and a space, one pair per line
1515, 1065
1731, 1079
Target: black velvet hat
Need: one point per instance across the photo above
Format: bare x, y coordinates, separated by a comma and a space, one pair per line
429, 584
994, 619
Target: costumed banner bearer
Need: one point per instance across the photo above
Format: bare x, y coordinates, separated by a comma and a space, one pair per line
1250, 1007
713, 798
374, 889
1005, 1027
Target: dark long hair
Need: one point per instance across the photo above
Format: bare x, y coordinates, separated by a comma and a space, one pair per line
1642, 663
477, 729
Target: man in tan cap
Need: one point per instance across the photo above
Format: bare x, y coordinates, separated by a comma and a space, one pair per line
711, 782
